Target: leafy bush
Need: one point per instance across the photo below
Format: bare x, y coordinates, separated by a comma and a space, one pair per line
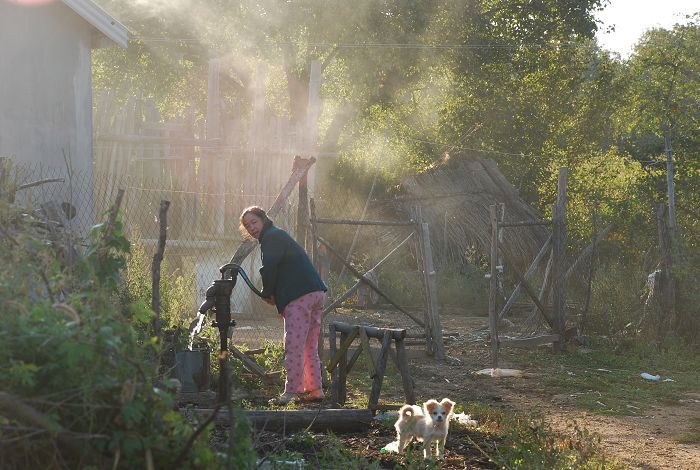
80, 387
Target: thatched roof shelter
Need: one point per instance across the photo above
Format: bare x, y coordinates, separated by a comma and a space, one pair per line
454, 197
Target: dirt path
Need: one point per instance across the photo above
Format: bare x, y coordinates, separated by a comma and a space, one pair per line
645, 441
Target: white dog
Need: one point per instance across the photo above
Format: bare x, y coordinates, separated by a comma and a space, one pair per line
430, 424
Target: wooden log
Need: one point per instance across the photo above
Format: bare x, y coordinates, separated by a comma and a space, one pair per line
493, 287
320, 420
381, 367
371, 331
529, 342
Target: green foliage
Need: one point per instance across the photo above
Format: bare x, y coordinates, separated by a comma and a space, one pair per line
80, 361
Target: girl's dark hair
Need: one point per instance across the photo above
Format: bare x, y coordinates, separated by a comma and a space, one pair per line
258, 211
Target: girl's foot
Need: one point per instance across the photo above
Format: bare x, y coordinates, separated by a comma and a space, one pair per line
283, 399
313, 395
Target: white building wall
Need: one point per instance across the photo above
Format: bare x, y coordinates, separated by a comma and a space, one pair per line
46, 90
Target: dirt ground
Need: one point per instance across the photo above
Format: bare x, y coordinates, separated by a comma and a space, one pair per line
648, 440
645, 441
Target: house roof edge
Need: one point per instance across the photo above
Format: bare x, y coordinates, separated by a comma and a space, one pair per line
100, 20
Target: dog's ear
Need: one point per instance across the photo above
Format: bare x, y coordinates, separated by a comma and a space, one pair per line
430, 405
448, 404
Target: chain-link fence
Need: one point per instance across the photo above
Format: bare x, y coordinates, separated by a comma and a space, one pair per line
203, 234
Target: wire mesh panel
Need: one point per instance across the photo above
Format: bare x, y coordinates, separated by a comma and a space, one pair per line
364, 247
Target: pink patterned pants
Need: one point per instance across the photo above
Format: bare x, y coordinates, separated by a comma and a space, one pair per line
302, 326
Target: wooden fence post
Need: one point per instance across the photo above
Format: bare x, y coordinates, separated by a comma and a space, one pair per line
493, 287
559, 256
435, 329
668, 287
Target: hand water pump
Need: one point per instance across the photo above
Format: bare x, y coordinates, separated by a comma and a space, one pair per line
218, 300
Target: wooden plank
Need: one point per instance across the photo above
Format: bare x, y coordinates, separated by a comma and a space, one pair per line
529, 342
319, 420
371, 331
343, 349
381, 368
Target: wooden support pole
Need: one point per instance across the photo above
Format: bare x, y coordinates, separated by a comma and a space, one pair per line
559, 263
303, 212
364, 340
332, 348
381, 367
668, 287
155, 266
434, 331
402, 360
343, 371
528, 274
493, 286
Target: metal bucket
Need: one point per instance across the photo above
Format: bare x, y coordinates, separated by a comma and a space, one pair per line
192, 370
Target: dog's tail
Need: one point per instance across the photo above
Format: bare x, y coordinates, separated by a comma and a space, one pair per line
407, 411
